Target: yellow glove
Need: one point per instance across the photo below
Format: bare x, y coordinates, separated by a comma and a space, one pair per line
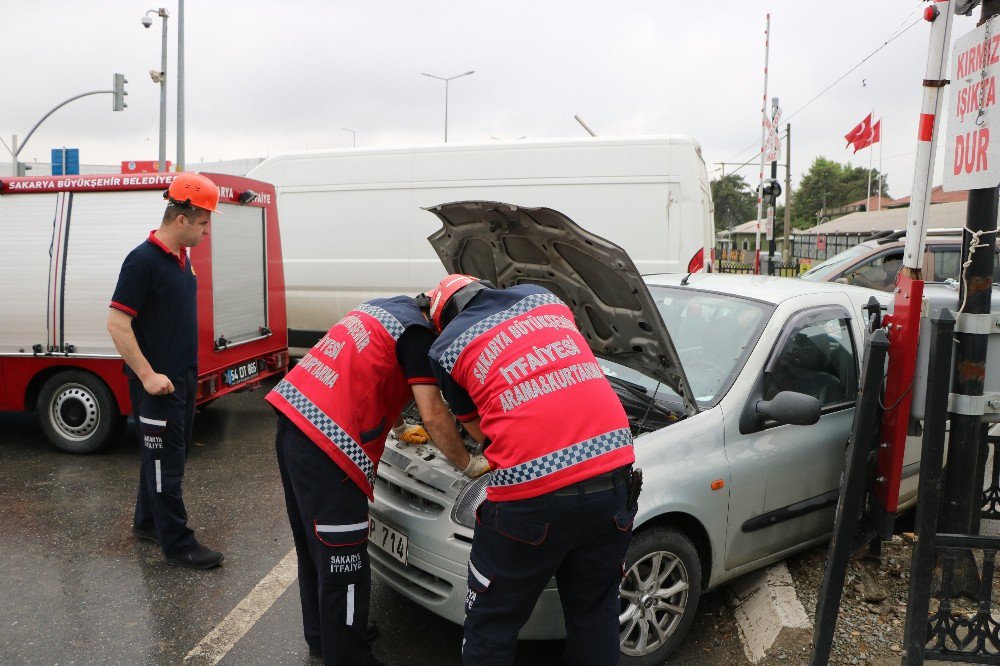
414, 434
478, 465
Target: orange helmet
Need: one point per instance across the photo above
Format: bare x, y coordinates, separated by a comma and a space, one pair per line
193, 189
440, 296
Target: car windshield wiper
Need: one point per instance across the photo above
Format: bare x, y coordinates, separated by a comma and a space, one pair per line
632, 387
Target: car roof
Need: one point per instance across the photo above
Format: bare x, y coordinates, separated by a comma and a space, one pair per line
767, 288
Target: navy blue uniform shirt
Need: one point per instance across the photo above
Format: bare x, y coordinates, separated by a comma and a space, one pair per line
159, 289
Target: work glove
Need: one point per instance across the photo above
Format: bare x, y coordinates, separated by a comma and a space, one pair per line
412, 434
478, 465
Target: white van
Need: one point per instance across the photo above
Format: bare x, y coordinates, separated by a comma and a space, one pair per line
353, 225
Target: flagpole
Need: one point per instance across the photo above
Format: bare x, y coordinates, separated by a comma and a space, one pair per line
868, 201
763, 129
880, 142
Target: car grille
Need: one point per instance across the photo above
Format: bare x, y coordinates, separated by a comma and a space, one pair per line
413, 500
410, 577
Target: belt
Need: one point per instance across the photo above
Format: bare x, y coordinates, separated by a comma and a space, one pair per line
596, 484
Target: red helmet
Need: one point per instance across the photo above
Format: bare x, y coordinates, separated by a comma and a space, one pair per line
439, 296
193, 189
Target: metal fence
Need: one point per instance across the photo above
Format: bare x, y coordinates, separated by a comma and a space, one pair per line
782, 268
813, 248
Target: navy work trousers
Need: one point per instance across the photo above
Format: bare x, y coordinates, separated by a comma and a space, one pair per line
164, 424
328, 514
520, 545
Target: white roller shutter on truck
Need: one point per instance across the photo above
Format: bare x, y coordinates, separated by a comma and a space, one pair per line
239, 286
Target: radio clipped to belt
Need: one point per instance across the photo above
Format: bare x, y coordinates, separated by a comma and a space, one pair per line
634, 488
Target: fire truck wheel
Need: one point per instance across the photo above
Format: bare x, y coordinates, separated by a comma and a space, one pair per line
78, 412
659, 595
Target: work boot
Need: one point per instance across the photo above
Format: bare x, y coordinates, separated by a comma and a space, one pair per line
198, 557
146, 534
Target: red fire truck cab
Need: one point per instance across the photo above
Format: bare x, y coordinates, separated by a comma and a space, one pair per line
62, 242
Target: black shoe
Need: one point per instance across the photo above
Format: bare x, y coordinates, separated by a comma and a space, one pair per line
198, 557
315, 652
148, 535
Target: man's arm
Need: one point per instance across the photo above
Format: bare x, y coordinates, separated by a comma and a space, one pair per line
120, 328
440, 424
472, 427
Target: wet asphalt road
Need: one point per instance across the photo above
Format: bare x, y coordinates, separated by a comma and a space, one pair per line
77, 588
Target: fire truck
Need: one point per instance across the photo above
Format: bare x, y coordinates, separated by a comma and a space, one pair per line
62, 243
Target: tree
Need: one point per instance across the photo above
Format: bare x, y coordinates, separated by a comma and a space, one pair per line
830, 184
735, 203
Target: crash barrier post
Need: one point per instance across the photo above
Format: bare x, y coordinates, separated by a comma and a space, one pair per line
929, 493
851, 527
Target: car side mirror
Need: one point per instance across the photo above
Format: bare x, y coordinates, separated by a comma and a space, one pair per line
789, 407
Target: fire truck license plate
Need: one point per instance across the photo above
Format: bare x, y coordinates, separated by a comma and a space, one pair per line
387, 538
240, 373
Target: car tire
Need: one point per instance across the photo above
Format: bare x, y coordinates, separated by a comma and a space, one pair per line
78, 412
656, 614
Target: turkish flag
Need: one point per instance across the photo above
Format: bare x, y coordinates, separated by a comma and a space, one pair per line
864, 134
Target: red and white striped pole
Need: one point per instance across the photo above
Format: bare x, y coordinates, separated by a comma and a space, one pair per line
904, 323
763, 130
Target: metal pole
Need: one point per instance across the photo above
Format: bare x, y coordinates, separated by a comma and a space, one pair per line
180, 86
786, 247
163, 95
446, 110
14, 150
909, 282
871, 150
763, 122
770, 206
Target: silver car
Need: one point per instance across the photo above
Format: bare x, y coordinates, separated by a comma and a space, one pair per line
714, 372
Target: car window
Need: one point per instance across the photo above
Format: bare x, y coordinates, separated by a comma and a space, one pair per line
836, 263
713, 334
879, 273
947, 263
816, 359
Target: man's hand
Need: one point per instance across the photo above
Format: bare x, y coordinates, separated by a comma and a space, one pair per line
414, 434
478, 465
157, 384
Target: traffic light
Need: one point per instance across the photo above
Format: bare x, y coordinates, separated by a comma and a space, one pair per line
119, 91
770, 191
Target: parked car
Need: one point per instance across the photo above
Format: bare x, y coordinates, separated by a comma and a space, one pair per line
713, 371
875, 262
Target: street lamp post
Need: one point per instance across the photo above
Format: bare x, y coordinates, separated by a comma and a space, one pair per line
446, 80
161, 78
354, 137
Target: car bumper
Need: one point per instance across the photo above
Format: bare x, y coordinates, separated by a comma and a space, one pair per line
435, 575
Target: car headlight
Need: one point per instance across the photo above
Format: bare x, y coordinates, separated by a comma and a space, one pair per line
464, 512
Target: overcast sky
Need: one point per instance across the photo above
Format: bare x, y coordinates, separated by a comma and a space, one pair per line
269, 77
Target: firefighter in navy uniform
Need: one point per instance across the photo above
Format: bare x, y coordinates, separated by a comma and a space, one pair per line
516, 370
154, 324
335, 410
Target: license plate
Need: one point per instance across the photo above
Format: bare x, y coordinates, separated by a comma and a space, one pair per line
387, 538
240, 373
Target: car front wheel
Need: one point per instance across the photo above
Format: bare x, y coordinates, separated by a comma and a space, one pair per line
659, 595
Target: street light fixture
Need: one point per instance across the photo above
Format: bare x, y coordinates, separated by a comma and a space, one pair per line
160, 78
446, 80
354, 137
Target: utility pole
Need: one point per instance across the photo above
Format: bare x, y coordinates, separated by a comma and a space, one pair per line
786, 246
180, 86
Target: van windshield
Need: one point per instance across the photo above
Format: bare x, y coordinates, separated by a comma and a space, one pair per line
713, 333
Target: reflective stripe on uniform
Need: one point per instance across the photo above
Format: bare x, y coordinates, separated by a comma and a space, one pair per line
557, 461
152, 422
483, 580
350, 605
353, 527
328, 427
159, 479
526, 304
384, 317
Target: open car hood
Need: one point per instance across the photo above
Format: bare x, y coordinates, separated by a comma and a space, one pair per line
510, 245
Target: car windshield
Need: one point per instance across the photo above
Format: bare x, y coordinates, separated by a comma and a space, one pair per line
835, 264
713, 334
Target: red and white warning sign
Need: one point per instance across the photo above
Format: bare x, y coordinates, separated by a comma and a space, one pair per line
772, 139
972, 146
